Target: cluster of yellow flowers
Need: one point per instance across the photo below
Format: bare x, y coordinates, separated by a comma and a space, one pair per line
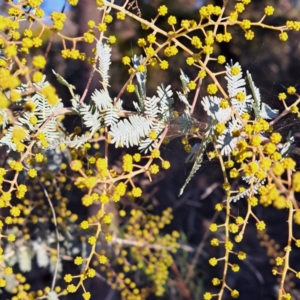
103, 185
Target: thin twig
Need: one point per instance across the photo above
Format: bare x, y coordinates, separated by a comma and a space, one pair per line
191, 267
52, 35
56, 232
49, 45
122, 90
196, 96
209, 190
136, 7
150, 246
61, 111
88, 83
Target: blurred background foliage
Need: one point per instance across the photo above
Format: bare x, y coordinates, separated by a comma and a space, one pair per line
274, 65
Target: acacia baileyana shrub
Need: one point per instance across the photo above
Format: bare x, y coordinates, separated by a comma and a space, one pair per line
45, 168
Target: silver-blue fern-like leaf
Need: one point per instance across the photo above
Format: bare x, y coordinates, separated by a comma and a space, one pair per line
288, 146
4, 115
256, 96
51, 131
11, 282
184, 81
24, 256
91, 119
141, 90
141, 77
211, 105
199, 156
118, 104
183, 98
226, 141
193, 153
6, 140
235, 84
129, 132
43, 111
101, 99
104, 54
42, 257
43, 107
100, 110
255, 184
71, 142
261, 109
147, 144
186, 122
24, 120
268, 113
165, 102
152, 106
52, 295
75, 104
111, 116
137, 107
246, 193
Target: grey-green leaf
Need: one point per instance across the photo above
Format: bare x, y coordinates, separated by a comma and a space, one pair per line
267, 112
52, 296
63, 81
24, 259
41, 254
